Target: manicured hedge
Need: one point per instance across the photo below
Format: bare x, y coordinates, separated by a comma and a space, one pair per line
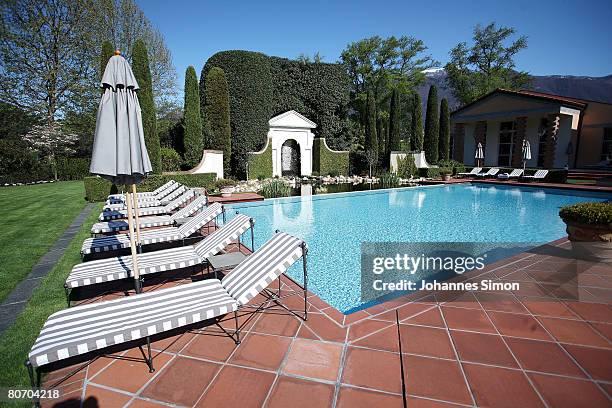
588, 213
318, 91
326, 162
250, 96
261, 87
98, 189
260, 165
431, 172
72, 168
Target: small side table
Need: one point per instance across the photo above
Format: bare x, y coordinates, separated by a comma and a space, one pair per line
225, 261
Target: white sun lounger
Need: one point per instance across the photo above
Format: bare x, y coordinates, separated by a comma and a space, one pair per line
538, 175
86, 332
148, 203
491, 173
516, 173
143, 212
112, 269
106, 244
156, 194
473, 172
106, 227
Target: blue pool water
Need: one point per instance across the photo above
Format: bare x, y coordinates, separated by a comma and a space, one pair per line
334, 225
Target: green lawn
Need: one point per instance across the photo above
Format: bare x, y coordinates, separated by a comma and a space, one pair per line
33, 218
48, 298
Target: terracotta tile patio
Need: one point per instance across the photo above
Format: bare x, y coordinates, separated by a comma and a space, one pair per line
536, 347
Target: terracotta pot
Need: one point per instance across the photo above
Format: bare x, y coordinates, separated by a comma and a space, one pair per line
226, 192
591, 242
446, 177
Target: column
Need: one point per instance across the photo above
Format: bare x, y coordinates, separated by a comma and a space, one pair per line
550, 144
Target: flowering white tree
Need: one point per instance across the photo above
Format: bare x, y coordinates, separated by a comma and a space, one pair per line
50, 142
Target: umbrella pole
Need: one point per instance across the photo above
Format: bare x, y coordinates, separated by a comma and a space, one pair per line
137, 215
135, 269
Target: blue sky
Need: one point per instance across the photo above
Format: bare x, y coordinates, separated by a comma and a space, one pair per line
565, 37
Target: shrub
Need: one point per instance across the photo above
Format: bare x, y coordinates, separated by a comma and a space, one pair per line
171, 160
217, 114
72, 168
406, 168
192, 138
431, 172
588, 213
457, 167
431, 126
142, 73
249, 86
98, 189
275, 188
445, 170
389, 180
18, 164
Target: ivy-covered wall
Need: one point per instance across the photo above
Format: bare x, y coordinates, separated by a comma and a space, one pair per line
260, 165
328, 162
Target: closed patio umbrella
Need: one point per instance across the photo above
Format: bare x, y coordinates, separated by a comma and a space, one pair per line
119, 151
526, 153
479, 154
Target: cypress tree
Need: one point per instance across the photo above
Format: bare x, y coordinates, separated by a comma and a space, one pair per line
432, 129
105, 54
371, 140
217, 114
444, 142
417, 124
192, 139
142, 73
381, 133
394, 122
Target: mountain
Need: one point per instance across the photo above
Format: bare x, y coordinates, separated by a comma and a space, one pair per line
582, 87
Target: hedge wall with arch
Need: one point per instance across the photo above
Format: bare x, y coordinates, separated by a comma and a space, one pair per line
260, 164
261, 87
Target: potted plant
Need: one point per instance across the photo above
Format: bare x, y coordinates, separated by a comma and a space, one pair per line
225, 186
445, 172
589, 228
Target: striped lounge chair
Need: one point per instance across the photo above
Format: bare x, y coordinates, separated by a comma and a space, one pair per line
148, 203
106, 227
105, 245
538, 175
112, 269
472, 172
516, 173
156, 194
143, 212
84, 333
491, 173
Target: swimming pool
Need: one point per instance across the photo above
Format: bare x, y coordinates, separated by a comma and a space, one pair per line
334, 225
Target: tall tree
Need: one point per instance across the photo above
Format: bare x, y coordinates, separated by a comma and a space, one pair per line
193, 140
382, 136
394, 122
217, 114
416, 131
431, 126
371, 140
140, 66
487, 64
105, 54
444, 139
43, 64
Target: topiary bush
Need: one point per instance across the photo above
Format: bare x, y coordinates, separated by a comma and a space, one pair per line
171, 160
598, 213
98, 189
193, 141
250, 99
217, 114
